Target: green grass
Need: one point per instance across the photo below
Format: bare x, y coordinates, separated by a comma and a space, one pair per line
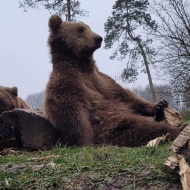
186, 121
88, 168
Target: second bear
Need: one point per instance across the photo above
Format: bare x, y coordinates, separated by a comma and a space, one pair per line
9, 99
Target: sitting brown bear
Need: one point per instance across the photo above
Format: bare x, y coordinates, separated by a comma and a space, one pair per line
89, 107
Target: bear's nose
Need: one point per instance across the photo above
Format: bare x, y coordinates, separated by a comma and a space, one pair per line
98, 40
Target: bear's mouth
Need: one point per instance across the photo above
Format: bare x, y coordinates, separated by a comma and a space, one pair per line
98, 45
98, 41
91, 49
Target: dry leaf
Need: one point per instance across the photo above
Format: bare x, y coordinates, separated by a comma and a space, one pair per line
37, 167
7, 183
51, 164
157, 141
43, 158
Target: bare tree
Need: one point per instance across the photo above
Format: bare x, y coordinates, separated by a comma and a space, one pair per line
36, 100
173, 37
70, 8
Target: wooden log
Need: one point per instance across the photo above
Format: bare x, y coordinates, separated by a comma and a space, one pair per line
178, 163
8, 136
182, 141
184, 173
35, 131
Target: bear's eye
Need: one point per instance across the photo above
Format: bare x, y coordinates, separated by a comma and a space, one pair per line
81, 30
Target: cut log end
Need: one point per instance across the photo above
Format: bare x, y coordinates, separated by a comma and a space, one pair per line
173, 117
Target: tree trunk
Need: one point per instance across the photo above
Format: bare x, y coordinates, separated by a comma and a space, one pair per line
138, 40
69, 10
147, 70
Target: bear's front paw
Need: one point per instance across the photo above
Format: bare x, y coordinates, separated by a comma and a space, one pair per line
160, 110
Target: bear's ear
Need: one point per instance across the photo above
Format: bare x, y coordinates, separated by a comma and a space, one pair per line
54, 22
14, 91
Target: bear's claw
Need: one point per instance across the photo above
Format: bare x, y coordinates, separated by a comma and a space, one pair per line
160, 110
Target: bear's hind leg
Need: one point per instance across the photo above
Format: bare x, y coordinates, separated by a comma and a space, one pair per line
136, 130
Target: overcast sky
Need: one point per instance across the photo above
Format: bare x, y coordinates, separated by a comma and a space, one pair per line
24, 54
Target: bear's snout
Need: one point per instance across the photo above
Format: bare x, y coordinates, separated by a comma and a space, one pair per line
98, 41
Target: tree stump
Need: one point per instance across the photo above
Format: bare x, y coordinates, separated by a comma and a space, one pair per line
32, 128
8, 136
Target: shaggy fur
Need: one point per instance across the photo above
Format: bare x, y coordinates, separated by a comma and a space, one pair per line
89, 107
9, 99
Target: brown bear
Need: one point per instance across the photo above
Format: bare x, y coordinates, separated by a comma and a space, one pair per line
9, 99
87, 106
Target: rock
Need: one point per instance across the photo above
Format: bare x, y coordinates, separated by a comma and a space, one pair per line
32, 127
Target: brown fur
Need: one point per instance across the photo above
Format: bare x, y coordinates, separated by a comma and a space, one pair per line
9, 99
88, 106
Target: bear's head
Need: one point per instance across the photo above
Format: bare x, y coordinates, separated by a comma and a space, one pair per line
72, 39
8, 98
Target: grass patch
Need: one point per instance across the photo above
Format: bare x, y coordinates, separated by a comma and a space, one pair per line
186, 121
106, 167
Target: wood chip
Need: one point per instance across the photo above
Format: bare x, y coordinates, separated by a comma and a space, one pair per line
172, 162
